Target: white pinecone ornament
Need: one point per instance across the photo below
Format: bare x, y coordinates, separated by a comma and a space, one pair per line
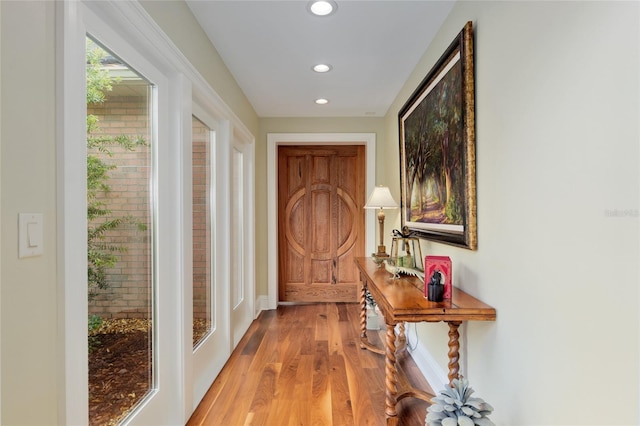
454, 406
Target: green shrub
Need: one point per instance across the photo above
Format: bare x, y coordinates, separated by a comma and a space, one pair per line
101, 254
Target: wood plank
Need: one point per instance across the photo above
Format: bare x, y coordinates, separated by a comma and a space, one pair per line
362, 367
321, 330
217, 393
240, 396
264, 396
300, 414
253, 343
366, 359
284, 393
225, 398
275, 383
320, 403
340, 398
364, 406
343, 312
334, 336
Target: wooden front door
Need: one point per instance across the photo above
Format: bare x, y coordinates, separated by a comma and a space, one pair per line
320, 222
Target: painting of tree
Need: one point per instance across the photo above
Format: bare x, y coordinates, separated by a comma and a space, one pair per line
437, 150
434, 140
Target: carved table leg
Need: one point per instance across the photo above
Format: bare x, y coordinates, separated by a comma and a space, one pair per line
390, 376
402, 338
364, 340
363, 314
454, 350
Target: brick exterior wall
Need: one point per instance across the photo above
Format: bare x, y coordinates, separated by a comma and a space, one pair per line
201, 222
129, 293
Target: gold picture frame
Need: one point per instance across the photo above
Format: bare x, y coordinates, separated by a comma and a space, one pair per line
437, 150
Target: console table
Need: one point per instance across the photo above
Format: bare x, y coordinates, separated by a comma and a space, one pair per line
402, 300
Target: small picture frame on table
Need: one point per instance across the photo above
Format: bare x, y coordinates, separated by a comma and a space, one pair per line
440, 264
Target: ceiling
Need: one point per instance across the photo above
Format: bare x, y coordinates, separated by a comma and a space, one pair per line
271, 46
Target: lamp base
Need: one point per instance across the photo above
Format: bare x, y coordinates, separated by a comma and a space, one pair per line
382, 252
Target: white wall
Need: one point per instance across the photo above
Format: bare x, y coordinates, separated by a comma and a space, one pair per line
557, 108
28, 177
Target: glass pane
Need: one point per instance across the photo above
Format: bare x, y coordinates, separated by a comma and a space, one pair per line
202, 282
237, 220
119, 162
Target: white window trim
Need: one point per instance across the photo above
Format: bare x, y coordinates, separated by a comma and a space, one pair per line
71, 241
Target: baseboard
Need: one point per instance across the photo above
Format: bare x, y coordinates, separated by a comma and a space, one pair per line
428, 366
262, 304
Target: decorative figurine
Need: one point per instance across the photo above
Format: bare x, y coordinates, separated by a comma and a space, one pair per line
441, 264
436, 288
377, 260
396, 271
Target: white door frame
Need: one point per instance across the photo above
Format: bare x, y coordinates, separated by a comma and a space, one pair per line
100, 20
203, 364
72, 240
244, 313
276, 139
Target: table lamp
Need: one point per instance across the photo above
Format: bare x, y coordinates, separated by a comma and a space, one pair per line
381, 199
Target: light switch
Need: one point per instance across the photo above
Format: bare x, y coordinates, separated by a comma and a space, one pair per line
30, 234
34, 234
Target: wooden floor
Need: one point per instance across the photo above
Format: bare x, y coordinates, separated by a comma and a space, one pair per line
302, 365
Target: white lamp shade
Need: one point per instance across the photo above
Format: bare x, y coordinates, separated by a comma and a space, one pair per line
381, 198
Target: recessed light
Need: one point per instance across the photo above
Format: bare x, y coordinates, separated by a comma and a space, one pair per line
322, 101
322, 7
322, 68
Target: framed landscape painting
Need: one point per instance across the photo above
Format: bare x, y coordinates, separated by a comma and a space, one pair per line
437, 150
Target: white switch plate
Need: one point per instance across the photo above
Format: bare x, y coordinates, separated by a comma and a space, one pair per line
30, 234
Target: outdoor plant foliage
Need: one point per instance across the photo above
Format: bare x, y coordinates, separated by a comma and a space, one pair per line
102, 254
454, 406
94, 324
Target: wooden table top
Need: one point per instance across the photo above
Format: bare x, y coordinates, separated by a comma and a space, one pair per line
403, 299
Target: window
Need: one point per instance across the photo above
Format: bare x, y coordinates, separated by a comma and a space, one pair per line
119, 214
202, 242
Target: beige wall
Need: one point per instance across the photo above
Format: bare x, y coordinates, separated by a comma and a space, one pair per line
28, 176
0, 214
557, 153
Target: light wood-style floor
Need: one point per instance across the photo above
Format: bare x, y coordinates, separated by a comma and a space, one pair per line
302, 365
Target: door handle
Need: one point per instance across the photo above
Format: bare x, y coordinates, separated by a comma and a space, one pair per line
333, 272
